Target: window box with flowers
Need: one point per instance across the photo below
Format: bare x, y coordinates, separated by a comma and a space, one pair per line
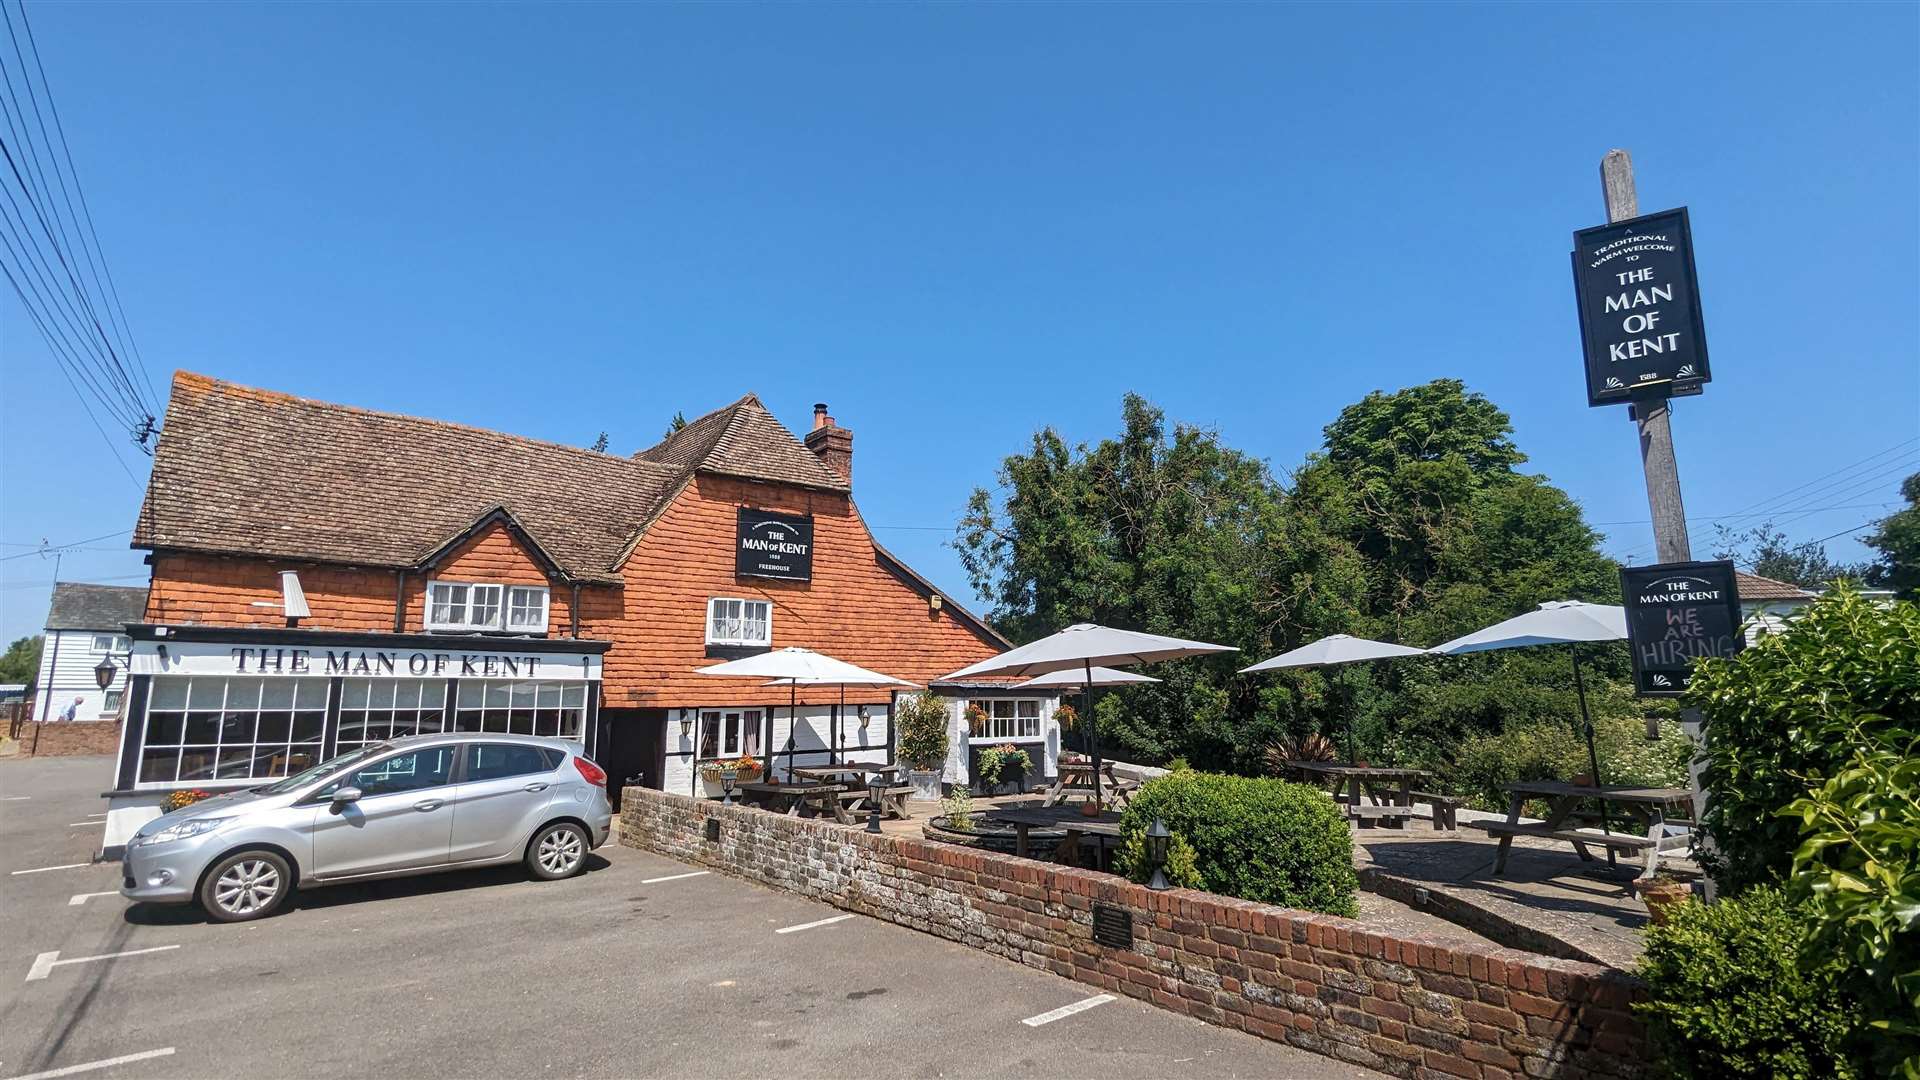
745, 770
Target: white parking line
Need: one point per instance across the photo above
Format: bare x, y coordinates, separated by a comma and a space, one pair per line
80, 898
44, 964
15, 798
674, 877
1065, 1011
811, 925
102, 814
44, 869
71, 824
104, 1063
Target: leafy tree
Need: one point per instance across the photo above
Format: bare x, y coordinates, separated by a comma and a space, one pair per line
600, 444
1898, 541
679, 421
1766, 551
21, 662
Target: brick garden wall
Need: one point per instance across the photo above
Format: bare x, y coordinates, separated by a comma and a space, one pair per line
1405, 1005
66, 738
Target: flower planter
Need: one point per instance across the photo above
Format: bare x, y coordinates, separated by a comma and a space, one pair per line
925, 783
1661, 896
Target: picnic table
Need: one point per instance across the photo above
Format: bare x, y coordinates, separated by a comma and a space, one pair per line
1389, 790
1076, 778
854, 793
1645, 808
792, 799
1068, 819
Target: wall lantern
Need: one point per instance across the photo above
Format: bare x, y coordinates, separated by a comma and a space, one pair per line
864, 718
1158, 840
686, 724
104, 672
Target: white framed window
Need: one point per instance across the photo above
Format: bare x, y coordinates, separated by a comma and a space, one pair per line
230, 728
110, 703
739, 622
470, 605
1008, 718
111, 643
522, 707
729, 734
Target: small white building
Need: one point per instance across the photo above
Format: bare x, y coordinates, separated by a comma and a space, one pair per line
85, 625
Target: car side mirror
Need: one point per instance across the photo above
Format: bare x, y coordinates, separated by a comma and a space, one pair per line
346, 795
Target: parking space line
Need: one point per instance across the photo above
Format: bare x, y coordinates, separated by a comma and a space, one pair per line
44, 964
674, 877
104, 1063
80, 898
15, 798
1065, 1011
71, 824
44, 869
811, 925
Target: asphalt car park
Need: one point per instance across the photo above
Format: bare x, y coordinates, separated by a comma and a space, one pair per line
641, 966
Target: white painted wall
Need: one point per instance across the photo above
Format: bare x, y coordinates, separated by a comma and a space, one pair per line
55, 689
1045, 749
814, 731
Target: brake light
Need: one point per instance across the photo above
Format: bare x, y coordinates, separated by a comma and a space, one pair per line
594, 773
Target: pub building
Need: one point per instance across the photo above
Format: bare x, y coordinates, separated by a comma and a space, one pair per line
325, 576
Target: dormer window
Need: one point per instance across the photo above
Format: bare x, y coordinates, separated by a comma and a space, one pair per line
467, 605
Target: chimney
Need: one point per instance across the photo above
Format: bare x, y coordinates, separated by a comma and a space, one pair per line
833, 443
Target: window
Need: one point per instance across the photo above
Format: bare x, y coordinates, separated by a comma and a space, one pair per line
374, 710
1009, 718
111, 643
491, 761
244, 727
522, 707
411, 771
465, 605
739, 622
729, 734
110, 704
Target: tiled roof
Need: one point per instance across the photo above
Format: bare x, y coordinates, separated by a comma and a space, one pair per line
254, 472
1755, 587
78, 606
744, 440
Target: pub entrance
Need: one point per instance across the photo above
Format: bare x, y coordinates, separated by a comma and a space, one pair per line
632, 748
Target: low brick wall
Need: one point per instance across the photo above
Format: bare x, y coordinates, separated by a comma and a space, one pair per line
1408, 1006
65, 738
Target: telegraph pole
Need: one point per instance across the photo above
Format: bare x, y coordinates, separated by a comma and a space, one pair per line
1653, 414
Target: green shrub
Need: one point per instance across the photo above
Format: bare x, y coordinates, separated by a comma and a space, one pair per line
1183, 863
1781, 718
1256, 839
920, 725
1554, 750
958, 808
1729, 1000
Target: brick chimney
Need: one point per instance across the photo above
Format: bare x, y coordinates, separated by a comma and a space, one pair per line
833, 443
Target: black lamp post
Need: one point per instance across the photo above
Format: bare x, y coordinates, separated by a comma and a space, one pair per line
1158, 839
876, 788
104, 672
728, 774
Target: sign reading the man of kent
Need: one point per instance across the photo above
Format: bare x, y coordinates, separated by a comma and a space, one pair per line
771, 545
1677, 613
1639, 301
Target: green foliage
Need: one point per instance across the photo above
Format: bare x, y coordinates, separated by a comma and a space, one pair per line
1898, 542
1003, 764
1183, 863
21, 662
599, 444
1554, 750
1766, 549
1729, 1000
1858, 872
958, 807
1257, 839
1784, 715
920, 726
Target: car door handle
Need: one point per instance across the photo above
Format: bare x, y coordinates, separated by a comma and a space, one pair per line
427, 805
535, 787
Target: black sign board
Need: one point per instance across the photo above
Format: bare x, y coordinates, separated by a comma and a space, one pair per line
771, 545
1639, 301
1677, 612
1112, 926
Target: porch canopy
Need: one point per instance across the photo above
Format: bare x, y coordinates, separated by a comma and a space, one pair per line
793, 668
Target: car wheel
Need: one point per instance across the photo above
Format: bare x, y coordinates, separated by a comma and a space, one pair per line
558, 851
246, 885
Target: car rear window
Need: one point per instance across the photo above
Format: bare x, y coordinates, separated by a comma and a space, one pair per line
494, 761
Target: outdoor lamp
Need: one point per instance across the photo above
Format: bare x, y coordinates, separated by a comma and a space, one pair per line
876, 787
728, 773
1158, 839
104, 671
686, 724
864, 718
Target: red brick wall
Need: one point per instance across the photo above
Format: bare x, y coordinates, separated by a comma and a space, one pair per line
67, 738
1409, 1006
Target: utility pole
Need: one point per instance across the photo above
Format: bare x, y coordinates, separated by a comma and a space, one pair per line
1653, 415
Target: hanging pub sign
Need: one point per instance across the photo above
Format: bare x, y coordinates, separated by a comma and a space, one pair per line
1676, 613
771, 545
1639, 301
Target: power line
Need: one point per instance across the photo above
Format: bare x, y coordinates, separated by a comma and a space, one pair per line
44, 548
10, 586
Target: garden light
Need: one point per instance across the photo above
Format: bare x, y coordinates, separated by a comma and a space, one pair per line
876, 788
1158, 840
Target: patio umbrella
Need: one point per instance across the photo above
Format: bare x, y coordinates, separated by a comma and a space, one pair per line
876, 679
796, 667
1075, 677
1557, 622
1332, 651
1085, 646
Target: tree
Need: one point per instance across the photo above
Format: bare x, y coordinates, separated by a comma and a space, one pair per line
1898, 541
600, 444
1766, 551
21, 662
674, 425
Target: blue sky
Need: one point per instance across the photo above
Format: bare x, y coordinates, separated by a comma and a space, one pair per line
957, 224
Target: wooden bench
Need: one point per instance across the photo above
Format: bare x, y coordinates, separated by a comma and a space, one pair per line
1393, 813
893, 802
1445, 808
1625, 843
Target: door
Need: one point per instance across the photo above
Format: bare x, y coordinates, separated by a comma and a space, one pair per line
501, 799
402, 820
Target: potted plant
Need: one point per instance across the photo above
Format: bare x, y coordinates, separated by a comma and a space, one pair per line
179, 799
920, 733
1662, 895
1005, 763
1065, 715
976, 719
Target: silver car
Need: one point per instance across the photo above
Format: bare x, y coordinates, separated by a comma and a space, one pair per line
409, 806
